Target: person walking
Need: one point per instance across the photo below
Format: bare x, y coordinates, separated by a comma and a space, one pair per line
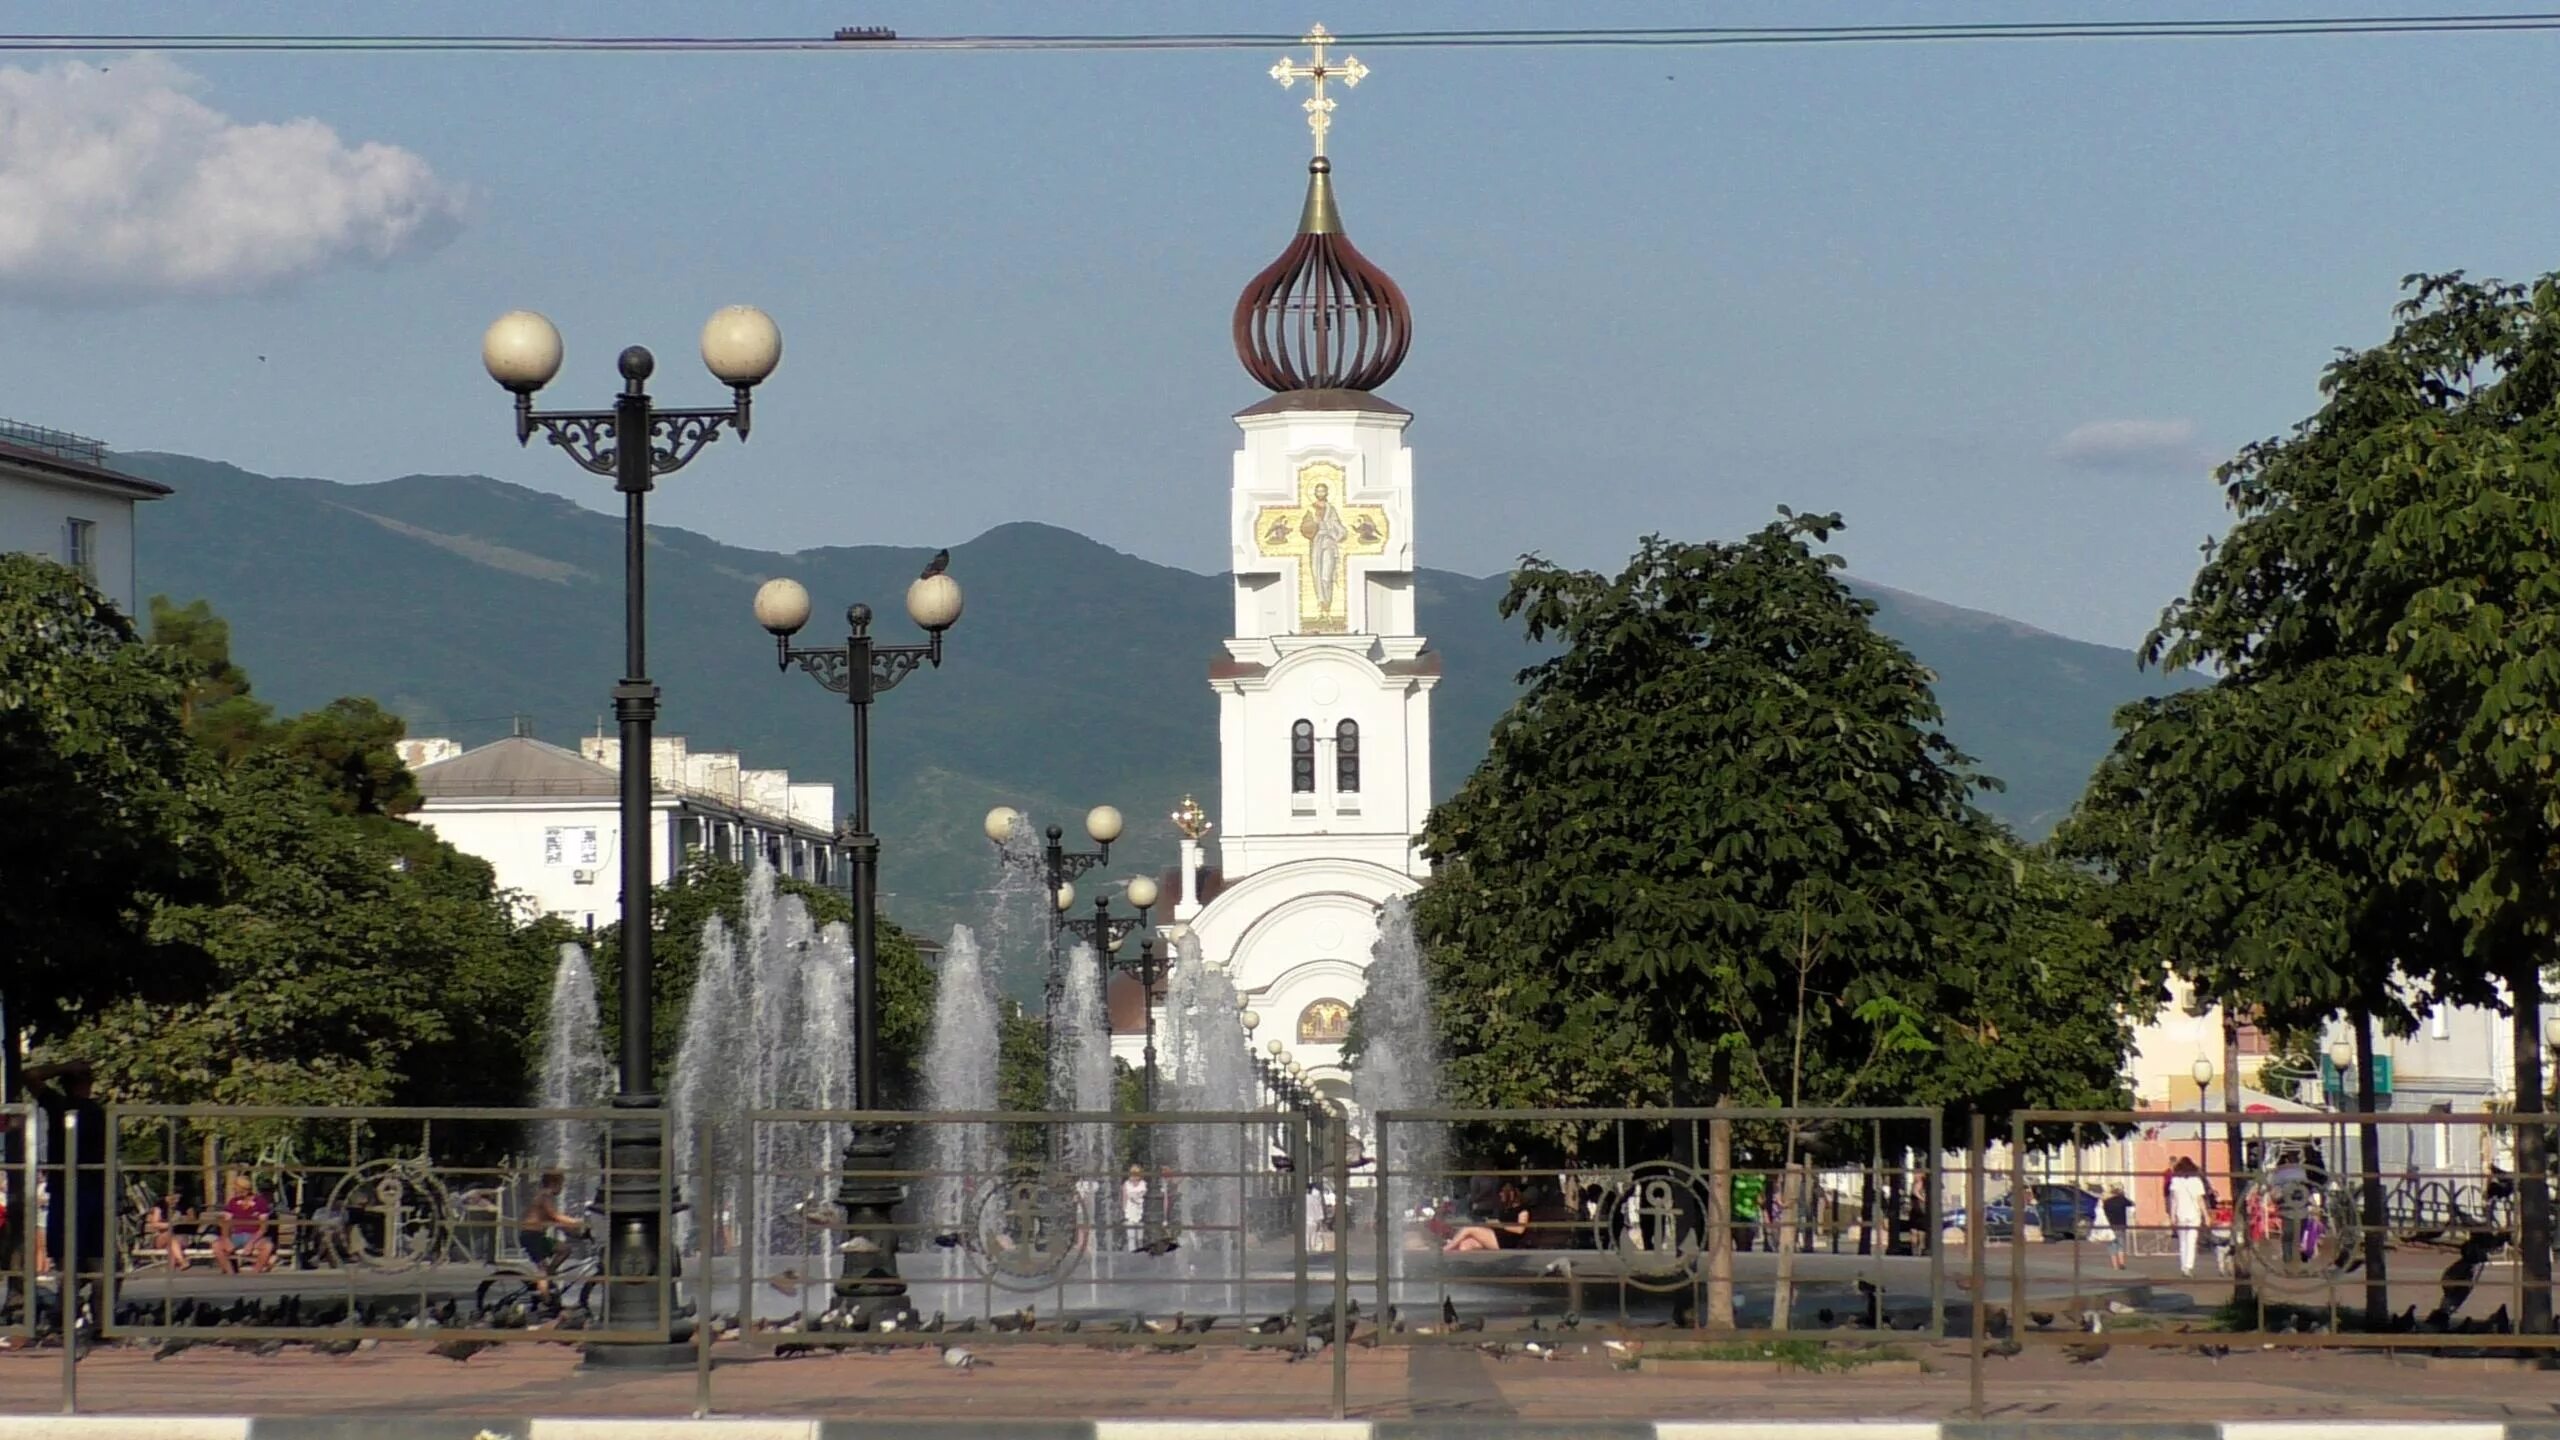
2118, 1208
2187, 1205
1133, 1209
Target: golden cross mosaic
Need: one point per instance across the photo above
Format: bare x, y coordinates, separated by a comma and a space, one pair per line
1321, 533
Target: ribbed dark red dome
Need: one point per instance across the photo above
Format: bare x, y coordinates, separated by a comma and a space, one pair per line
1321, 317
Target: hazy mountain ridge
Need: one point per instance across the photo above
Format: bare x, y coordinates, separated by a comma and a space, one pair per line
1075, 677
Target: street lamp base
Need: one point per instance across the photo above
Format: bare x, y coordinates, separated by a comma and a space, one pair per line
670, 1355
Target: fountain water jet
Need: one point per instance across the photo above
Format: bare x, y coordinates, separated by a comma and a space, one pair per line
1211, 1069
576, 1075
1399, 1069
959, 1075
768, 1028
1080, 1063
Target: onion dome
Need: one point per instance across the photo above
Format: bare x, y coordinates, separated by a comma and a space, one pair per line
1321, 317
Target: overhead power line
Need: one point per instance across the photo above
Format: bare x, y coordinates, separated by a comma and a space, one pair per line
873, 39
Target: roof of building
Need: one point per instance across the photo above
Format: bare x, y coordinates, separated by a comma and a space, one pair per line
71, 459
518, 765
1322, 316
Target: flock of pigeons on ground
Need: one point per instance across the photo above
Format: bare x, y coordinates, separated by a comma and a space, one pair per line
206, 1323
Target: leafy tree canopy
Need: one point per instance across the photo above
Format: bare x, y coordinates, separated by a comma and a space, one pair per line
1721, 850
94, 816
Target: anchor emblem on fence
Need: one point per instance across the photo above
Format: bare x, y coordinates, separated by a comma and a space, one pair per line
1029, 1232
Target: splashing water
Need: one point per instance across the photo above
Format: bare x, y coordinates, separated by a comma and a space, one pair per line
576, 1075
959, 1074
1211, 1069
1400, 1068
768, 1028
1080, 1058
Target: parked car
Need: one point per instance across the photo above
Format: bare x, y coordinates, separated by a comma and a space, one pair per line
2060, 1211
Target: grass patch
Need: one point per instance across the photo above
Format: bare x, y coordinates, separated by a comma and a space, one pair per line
1793, 1354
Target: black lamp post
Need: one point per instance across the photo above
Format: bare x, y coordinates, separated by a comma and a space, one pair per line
1059, 868
632, 444
867, 1283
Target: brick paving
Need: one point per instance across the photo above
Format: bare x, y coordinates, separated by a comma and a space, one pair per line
1041, 1382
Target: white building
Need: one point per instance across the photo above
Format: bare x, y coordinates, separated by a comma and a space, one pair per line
1324, 688
59, 499
548, 820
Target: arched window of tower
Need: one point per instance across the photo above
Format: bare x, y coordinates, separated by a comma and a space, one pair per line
1302, 758
1346, 758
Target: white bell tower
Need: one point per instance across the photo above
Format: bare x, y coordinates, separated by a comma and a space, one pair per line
1324, 688
1324, 693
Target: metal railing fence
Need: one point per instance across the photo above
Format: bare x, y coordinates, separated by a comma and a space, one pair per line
1514, 1230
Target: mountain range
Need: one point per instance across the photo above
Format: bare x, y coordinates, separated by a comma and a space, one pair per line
1076, 677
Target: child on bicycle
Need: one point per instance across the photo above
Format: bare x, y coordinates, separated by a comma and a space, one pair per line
540, 1227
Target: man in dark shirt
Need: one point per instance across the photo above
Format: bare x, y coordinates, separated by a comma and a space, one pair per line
74, 1096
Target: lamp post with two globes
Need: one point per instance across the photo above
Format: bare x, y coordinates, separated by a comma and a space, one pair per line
1059, 867
633, 444
860, 670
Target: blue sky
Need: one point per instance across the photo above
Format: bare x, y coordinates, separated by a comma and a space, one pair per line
2001, 304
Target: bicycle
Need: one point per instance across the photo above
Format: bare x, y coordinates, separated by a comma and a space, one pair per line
517, 1286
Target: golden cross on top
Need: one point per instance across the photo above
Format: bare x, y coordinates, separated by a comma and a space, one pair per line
1315, 72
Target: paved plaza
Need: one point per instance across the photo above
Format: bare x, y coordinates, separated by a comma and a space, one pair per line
1023, 1382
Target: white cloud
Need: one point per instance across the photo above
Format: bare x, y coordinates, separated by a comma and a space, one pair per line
117, 183
2134, 445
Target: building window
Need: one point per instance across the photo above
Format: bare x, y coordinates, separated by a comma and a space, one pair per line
1346, 758
563, 845
2439, 1024
1324, 1022
1302, 758
80, 547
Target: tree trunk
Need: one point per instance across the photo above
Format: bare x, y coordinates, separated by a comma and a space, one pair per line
1782, 1300
2533, 1177
2242, 1292
2377, 1288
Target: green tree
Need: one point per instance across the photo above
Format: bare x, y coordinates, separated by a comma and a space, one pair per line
94, 816
218, 711
351, 746
337, 975
1719, 852
2406, 529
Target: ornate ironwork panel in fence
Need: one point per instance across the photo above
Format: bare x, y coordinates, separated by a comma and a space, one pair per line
1828, 1221
2278, 1226
249, 1223
1170, 1229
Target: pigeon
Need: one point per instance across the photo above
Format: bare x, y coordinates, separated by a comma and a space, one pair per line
787, 1283
2093, 1351
1448, 1311
2119, 1307
1271, 1325
932, 1326
1471, 1325
337, 1347
1164, 1327
1201, 1325
940, 562
956, 1358
172, 1347
459, 1351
